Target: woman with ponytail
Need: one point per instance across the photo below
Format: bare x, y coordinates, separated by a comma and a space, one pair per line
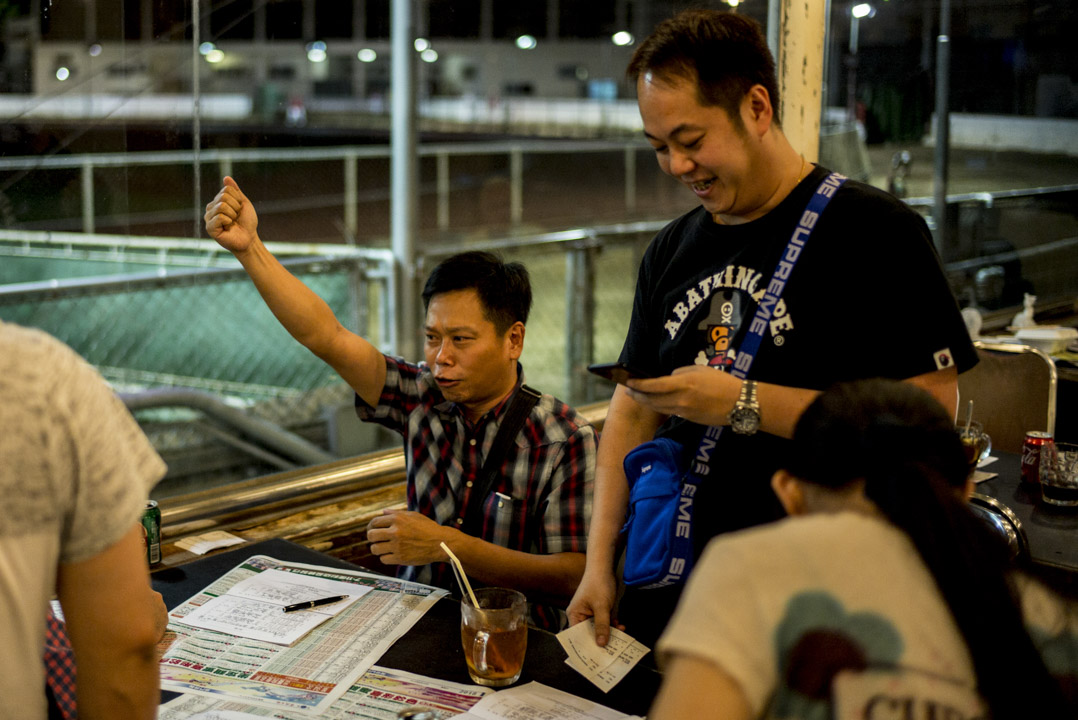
881, 596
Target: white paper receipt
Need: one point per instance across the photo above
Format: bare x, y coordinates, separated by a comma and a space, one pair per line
202, 544
603, 666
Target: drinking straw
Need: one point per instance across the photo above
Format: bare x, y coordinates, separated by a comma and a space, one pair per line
462, 579
969, 416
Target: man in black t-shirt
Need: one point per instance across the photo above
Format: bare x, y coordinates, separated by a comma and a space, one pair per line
866, 298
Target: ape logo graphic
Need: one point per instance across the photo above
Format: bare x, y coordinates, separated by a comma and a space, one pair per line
719, 328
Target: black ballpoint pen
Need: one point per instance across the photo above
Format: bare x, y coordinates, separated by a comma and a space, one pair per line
314, 603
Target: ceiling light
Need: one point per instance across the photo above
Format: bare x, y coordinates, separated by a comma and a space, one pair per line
316, 51
862, 10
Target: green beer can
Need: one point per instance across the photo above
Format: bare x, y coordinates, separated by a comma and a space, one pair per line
151, 531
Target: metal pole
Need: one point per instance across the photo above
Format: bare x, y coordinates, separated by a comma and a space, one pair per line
828, 71
404, 171
90, 18
553, 11
443, 191
88, 226
579, 319
516, 186
630, 179
351, 196
196, 113
943, 122
774, 26
851, 73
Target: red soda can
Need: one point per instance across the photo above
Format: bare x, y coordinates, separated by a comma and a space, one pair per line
1031, 456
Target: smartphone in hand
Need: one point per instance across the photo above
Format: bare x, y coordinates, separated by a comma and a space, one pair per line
619, 372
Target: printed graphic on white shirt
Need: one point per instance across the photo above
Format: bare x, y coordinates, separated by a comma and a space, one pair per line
882, 694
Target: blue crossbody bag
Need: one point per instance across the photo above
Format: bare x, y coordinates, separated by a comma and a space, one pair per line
662, 481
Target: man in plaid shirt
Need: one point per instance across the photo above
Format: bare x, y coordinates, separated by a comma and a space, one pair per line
448, 409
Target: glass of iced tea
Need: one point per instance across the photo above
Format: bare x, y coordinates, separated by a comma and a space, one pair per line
494, 635
1059, 474
975, 442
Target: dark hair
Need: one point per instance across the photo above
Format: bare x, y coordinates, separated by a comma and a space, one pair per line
901, 442
504, 289
725, 54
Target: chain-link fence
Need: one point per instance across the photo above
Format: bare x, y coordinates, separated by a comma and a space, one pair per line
197, 329
206, 331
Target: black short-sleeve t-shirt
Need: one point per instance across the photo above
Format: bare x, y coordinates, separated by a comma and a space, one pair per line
866, 298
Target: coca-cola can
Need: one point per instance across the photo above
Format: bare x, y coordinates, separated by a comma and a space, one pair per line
1031, 456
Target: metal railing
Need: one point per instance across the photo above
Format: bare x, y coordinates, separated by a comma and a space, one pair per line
266, 498
1003, 244
216, 163
155, 312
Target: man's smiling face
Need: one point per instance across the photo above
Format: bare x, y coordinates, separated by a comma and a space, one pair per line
700, 145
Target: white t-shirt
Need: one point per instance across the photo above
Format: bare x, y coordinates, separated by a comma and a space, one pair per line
75, 472
781, 606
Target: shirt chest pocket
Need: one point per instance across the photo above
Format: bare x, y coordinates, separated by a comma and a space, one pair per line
507, 522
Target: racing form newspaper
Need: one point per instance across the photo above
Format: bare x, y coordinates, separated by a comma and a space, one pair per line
308, 676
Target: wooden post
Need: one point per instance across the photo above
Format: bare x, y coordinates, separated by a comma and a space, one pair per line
799, 62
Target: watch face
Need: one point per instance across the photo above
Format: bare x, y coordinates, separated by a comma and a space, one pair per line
744, 421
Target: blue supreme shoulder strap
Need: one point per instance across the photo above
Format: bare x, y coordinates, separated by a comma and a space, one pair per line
682, 559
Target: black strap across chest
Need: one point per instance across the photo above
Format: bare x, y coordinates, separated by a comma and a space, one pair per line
519, 409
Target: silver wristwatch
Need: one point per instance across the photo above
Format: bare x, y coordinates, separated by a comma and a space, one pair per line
745, 417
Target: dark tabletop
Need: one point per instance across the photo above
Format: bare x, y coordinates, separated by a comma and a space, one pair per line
432, 647
1067, 401
1052, 532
